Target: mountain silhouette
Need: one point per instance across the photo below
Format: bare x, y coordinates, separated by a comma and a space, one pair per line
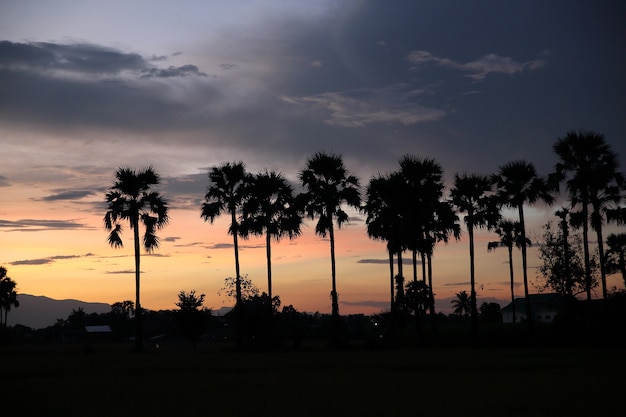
38, 312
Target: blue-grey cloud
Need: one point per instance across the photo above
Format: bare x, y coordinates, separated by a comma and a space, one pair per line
48, 260
405, 261
34, 225
182, 71
69, 195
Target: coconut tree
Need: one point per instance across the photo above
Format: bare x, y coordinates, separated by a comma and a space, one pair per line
617, 248
517, 184
8, 295
329, 187
132, 199
471, 195
226, 194
462, 305
589, 168
510, 235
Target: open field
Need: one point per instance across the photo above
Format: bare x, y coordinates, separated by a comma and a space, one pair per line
314, 382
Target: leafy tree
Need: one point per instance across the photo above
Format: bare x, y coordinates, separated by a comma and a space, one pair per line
418, 296
192, 318
562, 269
471, 194
226, 193
510, 235
329, 187
124, 309
462, 304
132, 199
8, 295
616, 254
246, 286
517, 184
589, 168
490, 312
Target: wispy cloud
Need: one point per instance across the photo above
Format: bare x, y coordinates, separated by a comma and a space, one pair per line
35, 225
480, 68
405, 261
68, 195
360, 108
4, 181
48, 260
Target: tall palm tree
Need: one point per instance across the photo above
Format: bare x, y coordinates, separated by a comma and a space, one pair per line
226, 193
517, 184
589, 167
132, 199
471, 194
8, 295
617, 247
384, 222
329, 187
270, 210
510, 235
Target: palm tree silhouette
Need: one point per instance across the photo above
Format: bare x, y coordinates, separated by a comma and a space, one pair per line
384, 220
329, 186
617, 247
8, 295
226, 193
589, 168
517, 184
510, 235
462, 304
471, 195
270, 210
132, 199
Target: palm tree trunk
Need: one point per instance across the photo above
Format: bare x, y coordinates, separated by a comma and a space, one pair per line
601, 253
529, 316
431, 296
400, 284
586, 249
510, 248
138, 311
270, 310
474, 310
391, 278
238, 296
333, 293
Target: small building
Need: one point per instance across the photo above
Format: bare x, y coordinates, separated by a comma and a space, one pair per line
543, 307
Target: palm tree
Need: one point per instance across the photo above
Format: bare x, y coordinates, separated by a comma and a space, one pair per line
226, 193
517, 184
463, 304
510, 235
8, 295
270, 210
617, 247
471, 195
132, 199
329, 186
383, 220
589, 167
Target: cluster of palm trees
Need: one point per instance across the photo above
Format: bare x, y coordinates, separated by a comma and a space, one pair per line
8, 296
410, 209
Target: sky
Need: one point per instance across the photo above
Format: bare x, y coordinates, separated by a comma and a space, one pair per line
90, 86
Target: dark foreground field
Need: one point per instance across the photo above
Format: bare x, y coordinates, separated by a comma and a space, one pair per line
314, 382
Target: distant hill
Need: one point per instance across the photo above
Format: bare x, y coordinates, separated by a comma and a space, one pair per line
38, 312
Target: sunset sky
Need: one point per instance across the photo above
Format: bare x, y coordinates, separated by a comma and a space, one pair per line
89, 86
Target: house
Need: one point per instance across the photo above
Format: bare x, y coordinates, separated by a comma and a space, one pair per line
543, 307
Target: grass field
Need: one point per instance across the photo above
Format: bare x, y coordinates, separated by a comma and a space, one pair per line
312, 382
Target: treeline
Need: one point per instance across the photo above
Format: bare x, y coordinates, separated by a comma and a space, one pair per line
409, 209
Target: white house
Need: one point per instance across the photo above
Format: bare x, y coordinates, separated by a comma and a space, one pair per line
543, 307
